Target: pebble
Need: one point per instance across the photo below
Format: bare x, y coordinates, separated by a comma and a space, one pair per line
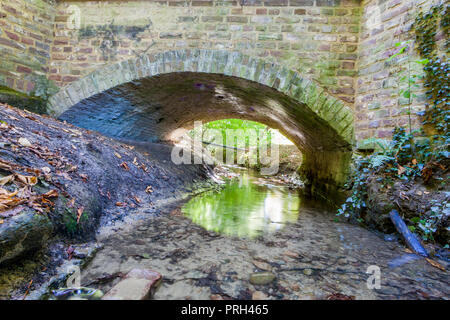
307, 272
259, 295
262, 278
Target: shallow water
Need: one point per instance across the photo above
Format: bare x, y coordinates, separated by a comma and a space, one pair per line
311, 254
246, 207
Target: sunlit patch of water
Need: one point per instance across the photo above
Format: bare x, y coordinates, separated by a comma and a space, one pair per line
246, 207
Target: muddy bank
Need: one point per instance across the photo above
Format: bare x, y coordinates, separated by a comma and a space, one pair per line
61, 181
414, 200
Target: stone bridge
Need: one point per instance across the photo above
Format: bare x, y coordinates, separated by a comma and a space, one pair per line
315, 69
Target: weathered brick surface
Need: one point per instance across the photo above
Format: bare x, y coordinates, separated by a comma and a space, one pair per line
306, 36
340, 45
378, 106
26, 36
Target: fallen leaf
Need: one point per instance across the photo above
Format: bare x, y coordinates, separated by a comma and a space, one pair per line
28, 180
414, 161
262, 265
149, 189
51, 194
121, 204
28, 290
125, 166
71, 203
135, 162
79, 213
400, 170
435, 264
6, 179
84, 177
117, 155
137, 199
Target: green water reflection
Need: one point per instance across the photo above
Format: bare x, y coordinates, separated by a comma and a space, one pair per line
246, 207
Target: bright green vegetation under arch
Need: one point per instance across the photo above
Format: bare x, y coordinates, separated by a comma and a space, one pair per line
246, 207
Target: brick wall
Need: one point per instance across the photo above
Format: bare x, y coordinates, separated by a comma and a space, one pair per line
26, 36
379, 107
316, 37
342, 45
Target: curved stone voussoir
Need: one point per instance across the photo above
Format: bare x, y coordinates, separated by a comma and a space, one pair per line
279, 97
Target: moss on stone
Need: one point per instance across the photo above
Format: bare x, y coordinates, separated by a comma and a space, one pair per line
22, 100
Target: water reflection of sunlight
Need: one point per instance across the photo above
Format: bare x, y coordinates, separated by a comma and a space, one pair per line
244, 208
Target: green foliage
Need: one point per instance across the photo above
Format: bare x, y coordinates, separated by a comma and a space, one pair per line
399, 159
406, 157
427, 224
245, 134
240, 208
238, 124
437, 70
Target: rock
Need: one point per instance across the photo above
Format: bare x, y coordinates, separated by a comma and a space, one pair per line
307, 272
24, 142
138, 284
390, 237
259, 295
291, 254
262, 278
22, 233
262, 265
82, 293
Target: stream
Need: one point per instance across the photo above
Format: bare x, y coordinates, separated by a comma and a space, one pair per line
212, 245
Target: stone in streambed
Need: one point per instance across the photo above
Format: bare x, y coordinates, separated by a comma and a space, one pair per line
138, 284
307, 272
259, 295
262, 278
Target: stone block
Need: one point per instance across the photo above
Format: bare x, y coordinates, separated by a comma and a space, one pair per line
138, 284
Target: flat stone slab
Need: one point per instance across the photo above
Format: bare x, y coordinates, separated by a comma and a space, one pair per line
138, 284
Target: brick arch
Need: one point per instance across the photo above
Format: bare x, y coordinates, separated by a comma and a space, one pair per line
291, 83
323, 168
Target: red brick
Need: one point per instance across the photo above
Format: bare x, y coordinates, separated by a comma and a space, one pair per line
23, 69
30, 86
69, 78
12, 36
85, 50
55, 77
27, 41
10, 9
261, 11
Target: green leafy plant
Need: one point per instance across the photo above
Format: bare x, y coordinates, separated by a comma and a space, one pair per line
412, 154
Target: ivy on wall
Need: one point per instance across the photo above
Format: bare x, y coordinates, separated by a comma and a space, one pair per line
414, 155
437, 69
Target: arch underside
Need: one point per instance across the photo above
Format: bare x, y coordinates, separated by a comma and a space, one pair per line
148, 105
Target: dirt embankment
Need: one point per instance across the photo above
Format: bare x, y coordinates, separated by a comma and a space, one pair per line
57, 179
424, 207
